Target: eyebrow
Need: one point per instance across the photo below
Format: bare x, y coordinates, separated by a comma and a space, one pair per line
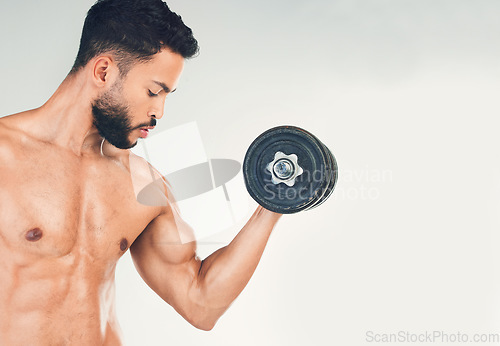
164, 87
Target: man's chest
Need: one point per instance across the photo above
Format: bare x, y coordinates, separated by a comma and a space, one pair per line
51, 209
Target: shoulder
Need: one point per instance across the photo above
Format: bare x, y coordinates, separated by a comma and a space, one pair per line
13, 128
6, 126
16, 134
10, 139
141, 168
150, 185
167, 227
15, 122
12, 150
153, 189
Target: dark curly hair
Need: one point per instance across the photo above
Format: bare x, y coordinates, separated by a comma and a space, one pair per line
133, 31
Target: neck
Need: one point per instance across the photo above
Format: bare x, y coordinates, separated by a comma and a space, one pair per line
66, 118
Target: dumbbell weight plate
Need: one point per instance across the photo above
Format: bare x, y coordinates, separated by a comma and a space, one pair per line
307, 189
330, 181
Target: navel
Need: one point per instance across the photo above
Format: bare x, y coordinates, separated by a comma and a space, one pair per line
34, 235
124, 244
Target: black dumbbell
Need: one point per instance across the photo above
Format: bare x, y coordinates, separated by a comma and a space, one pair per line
287, 170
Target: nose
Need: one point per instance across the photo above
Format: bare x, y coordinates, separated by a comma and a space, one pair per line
158, 107
157, 113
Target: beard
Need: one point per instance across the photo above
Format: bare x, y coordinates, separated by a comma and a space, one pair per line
112, 119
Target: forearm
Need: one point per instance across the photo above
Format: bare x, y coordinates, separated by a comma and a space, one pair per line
224, 274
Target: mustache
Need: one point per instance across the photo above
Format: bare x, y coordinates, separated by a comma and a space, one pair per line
151, 123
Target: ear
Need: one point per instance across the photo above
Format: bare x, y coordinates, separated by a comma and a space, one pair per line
104, 71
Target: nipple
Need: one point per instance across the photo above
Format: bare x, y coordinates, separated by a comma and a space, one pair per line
34, 234
124, 244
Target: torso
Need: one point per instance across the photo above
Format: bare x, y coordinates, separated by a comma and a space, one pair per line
65, 221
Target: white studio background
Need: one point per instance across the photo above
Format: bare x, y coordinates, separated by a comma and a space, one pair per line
405, 94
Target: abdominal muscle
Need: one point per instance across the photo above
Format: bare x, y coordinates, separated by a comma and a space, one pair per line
58, 301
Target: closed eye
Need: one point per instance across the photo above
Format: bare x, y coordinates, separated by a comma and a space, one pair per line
152, 94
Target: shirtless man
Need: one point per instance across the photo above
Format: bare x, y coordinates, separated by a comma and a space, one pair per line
68, 206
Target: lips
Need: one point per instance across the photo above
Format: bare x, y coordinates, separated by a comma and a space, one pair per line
145, 130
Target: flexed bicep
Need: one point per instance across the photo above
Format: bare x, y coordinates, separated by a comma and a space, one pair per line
168, 263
